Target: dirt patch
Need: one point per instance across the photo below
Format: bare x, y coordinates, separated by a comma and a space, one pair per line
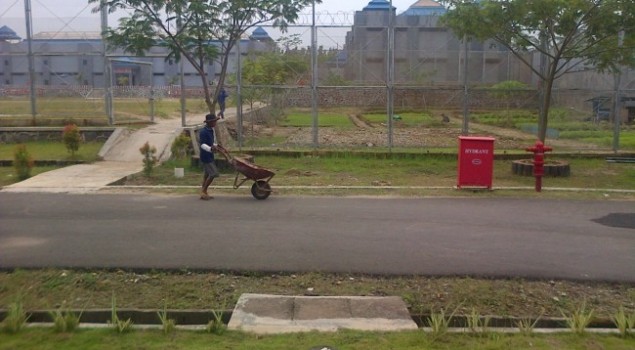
368, 135
359, 121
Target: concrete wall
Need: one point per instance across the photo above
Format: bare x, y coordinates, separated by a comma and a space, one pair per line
26, 134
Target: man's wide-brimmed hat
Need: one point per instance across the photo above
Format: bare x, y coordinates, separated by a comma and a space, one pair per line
211, 118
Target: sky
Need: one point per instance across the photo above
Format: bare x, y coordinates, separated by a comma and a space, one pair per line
76, 15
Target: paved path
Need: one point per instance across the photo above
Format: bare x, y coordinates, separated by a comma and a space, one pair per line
496, 237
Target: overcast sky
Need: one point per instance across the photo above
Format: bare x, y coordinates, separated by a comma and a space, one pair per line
72, 8
76, 15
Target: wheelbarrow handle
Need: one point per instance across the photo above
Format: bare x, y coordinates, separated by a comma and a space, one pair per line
224, 152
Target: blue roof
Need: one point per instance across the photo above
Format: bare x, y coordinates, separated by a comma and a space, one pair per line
425, 8
7, 33
378, 5
260, 34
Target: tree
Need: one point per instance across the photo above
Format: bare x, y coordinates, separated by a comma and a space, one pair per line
566, 33
285, 64
72, 138
189, 29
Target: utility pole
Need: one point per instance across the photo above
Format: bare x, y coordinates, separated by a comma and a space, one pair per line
314, 79
182, 78
390, 74
107, 65
616, 109
239, 97
29, 39
466, 94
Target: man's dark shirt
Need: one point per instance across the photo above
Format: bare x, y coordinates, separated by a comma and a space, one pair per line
206, 136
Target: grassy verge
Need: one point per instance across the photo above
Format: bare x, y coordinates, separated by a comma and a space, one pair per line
343, 340
77, 289
423, 175
83, 290
93, 289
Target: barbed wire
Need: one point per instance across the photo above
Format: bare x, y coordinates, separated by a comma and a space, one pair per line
323, 18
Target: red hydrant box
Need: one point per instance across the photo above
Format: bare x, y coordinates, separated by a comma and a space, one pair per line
476, 161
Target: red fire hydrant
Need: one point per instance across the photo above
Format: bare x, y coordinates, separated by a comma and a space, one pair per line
539, 150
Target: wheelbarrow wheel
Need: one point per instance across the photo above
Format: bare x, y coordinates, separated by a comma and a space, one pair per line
261, 189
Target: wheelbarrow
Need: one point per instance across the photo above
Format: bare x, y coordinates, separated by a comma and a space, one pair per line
259, 175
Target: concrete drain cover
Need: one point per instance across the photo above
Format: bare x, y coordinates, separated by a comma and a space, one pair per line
262, 313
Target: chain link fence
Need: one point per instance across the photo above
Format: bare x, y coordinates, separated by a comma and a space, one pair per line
362, 96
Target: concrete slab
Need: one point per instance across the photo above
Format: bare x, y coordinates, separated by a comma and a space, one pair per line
82, 178
266, 314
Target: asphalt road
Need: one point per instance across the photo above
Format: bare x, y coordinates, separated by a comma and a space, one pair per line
531, 238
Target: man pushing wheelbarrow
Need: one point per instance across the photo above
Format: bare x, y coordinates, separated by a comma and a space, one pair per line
259, 175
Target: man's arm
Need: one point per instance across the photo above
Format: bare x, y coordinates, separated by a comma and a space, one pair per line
208, 143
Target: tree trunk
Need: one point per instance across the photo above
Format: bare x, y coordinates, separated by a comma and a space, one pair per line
546, 103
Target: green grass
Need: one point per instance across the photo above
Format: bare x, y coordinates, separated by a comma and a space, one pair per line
8, 175
434, 171
603, 137
45, 150
506, 119
342, 340
571, 125
78, 109
422, 171
407, 119
349, 169
299, 118
48, 150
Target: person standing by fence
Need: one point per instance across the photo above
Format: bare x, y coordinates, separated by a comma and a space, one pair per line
222, 97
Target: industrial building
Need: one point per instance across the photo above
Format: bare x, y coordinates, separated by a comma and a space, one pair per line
76, 58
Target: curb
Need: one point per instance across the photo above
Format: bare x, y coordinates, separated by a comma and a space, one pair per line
198, 319
334, 187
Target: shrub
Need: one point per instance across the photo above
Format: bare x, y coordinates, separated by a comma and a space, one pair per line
579, 319
15, 319
180, 146
72, 138
22, 162
149, 160
120, 326
167, 324
64, 320
216, 326
624, 321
